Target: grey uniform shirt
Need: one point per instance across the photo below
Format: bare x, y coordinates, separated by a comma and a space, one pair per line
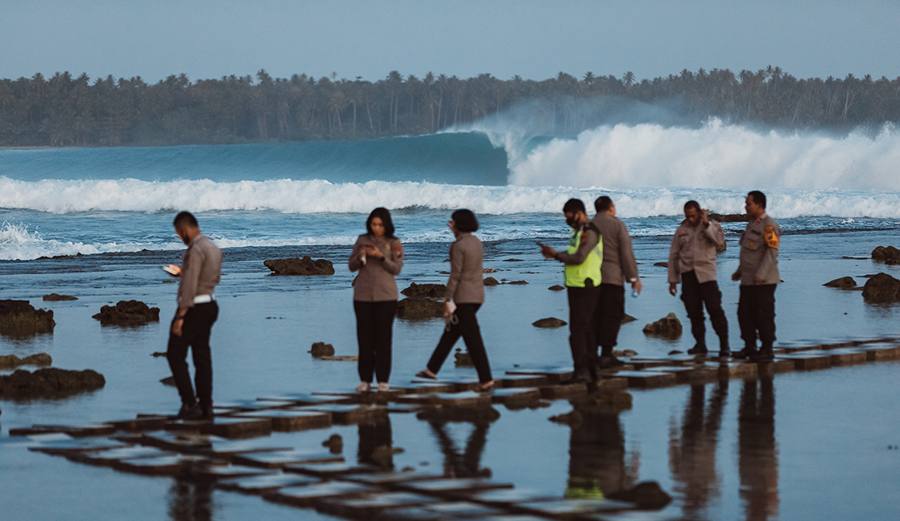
619, 265
376, 282
759, 254
466, 283
201, 270
694, 248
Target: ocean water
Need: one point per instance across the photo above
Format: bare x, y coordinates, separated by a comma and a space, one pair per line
96, 223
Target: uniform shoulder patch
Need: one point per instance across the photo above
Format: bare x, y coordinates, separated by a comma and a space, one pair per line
772, 239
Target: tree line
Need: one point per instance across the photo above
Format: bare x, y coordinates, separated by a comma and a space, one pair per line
75, 111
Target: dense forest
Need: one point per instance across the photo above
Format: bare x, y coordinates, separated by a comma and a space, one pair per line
75, 111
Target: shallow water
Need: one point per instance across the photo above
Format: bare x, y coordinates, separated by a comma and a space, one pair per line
814, 445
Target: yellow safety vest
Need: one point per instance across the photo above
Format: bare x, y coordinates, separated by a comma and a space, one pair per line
577, 274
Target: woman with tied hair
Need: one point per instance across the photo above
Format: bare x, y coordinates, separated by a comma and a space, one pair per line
378, 256
464, 295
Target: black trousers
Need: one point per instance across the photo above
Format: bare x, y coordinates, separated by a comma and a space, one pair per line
756, 314
374, 333
466, 326
582, 305
195, 333
608, 316
695, 295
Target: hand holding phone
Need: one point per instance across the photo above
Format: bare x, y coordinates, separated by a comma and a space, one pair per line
172, 270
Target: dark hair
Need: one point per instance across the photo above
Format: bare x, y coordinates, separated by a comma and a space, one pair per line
758, 198
385, 216
464, 221
692, 204
185, 218
574, 206
603, 203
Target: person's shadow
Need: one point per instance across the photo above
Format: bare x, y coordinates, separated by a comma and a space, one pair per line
757, 450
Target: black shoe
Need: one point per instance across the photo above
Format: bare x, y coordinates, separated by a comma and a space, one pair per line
189, 412
724, 352
207, 415
745, 353
765, 355
698, 350
610, 361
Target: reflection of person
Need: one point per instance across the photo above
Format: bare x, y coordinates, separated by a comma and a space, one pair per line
596, 455
757, 452
619, 266
464, 295
375, 441
582, 273
758, 273
378, 256
191, 500
692, 457
465, 465
692, 261
200, 271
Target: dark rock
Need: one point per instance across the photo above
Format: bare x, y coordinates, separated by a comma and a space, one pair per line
462, 359
669, 327
417, 308
572, 419
320, 349
13, 361
158, 354
729, 217
169, 380
887, 255
675, 352
556, 288
49, 383
882, 288
518, 282
168, 281
661, 264
334, 443
491, 281
425, 290
55, 297
628, 318
843, 283
647, 495
127, 313
512, 260
296, 266
488, 270
18, 318
549, 322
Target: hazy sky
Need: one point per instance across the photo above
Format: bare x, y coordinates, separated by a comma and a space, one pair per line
533, 39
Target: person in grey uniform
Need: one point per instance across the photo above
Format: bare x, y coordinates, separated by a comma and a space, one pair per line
463, 297
619, 266
758, 273
378, 256
692, 262
200, 271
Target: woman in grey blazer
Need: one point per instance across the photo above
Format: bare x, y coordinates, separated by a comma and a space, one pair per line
378, 256
464, 295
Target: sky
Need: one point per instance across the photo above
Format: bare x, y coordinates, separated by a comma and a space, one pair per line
207, 39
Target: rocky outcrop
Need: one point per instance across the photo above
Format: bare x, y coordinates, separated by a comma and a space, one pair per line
417, 308
668, 327
127, 313
425, 290
49, 383
628, 318
462, 359
18, 318
56, 297
491, 281
842, 283
886, 254
13, 361
517, 282
334, 443
556, 288
296, 266
550, 322
320, 349
647, 495
881, 288
729, 217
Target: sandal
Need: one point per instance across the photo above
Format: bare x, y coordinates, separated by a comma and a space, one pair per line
363, 387
425, 374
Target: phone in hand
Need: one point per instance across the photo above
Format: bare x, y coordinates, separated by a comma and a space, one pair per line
172, 270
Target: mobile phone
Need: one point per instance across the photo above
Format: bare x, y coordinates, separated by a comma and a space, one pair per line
172, 270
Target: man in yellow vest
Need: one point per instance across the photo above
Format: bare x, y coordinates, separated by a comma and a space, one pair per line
582, 261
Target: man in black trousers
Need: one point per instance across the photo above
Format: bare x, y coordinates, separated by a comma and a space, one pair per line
197, 311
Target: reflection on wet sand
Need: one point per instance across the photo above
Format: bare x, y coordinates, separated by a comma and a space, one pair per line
191, 501
597, 454
376, 443
466, 463
692, 449
757, 451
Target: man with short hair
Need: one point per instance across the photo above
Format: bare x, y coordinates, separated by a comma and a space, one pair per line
758, 273
619, 266
692, 262
582, 261
197, 311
